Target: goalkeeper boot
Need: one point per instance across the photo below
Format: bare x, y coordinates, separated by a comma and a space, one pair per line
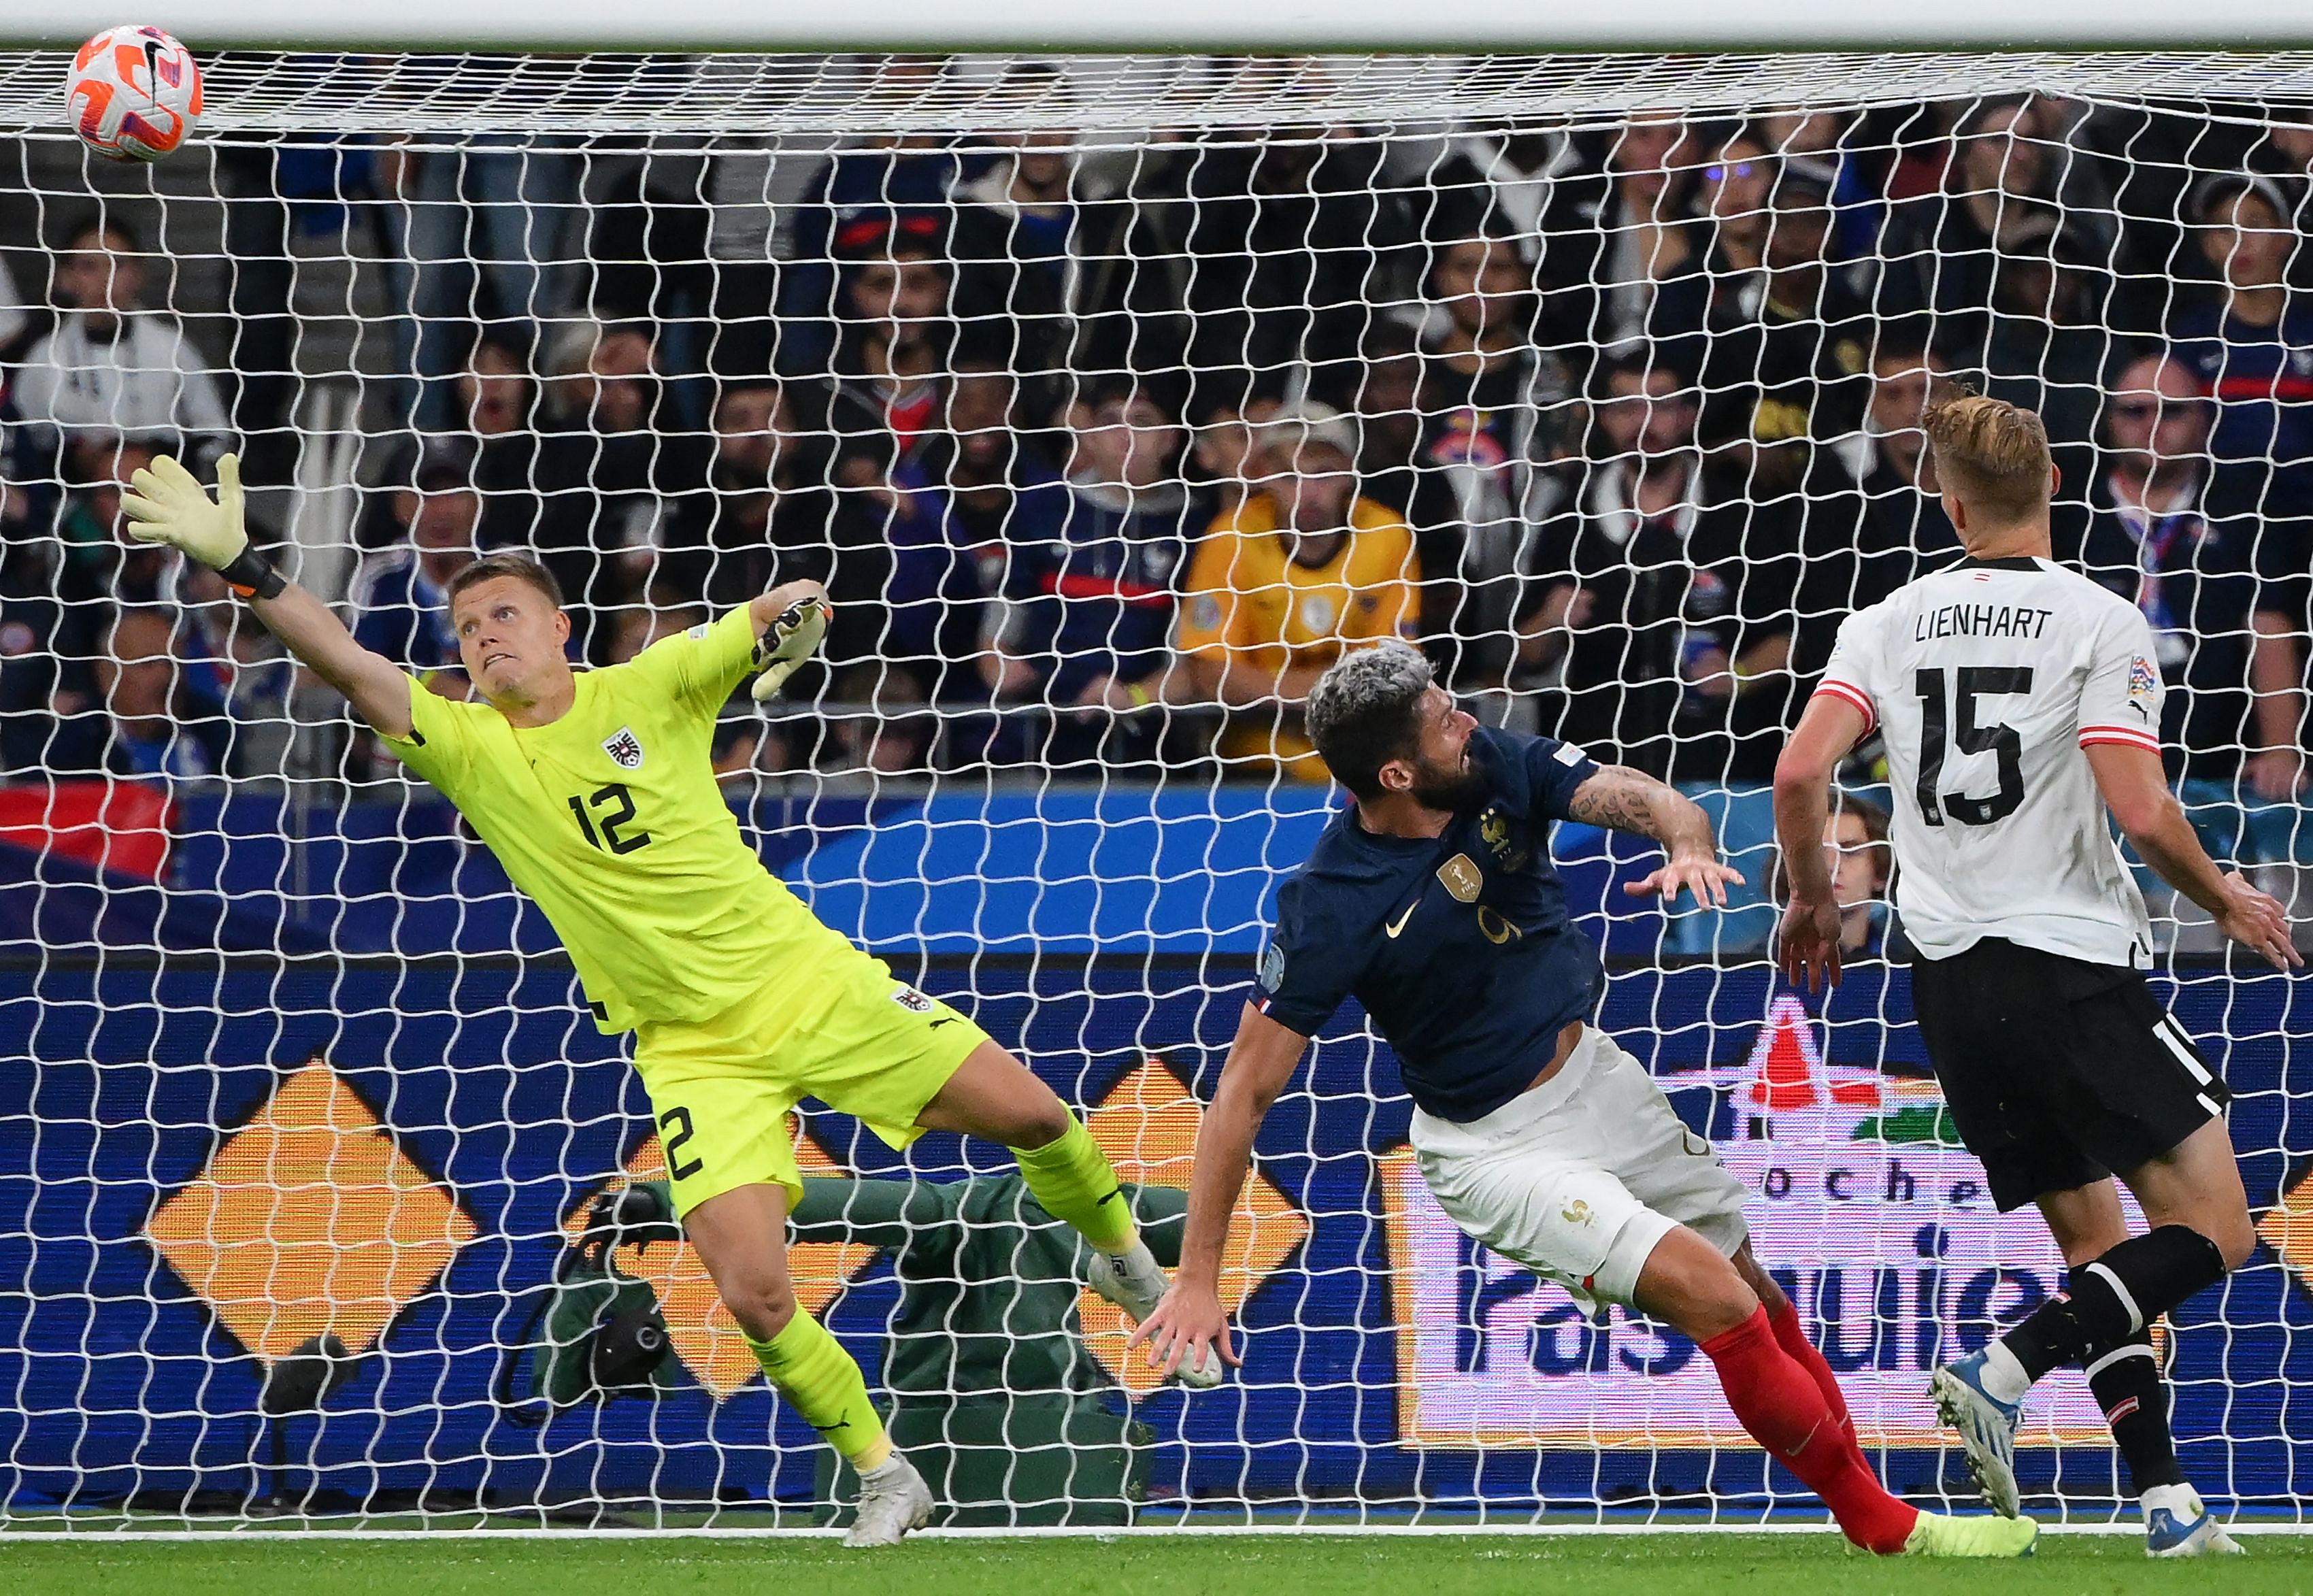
892, 1500
1987, 1428
1980, 1535
2178, 1524
1135, 1284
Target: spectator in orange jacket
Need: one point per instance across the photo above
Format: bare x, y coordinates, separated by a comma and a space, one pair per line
1304, 570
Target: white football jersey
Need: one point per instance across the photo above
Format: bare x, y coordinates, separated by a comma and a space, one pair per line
1987, 679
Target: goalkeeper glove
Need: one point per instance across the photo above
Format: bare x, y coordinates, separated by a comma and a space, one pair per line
169, 507
787, 643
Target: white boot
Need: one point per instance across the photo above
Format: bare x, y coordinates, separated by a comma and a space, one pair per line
892, 1500
1135, 1284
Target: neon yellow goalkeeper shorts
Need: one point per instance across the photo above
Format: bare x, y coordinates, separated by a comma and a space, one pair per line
862, 1042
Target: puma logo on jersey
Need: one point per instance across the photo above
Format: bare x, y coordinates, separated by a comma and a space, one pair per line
1392, 930
625, 748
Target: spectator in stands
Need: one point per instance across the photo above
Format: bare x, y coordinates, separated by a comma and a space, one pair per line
2222, 586
1223, 453
1287, 233
2250, 346
1827, 139
1622, 615
1624, 262
881, 196
1086, 618
1795, 331
47, 647
881, 403
764, 518
1001, 491
615, 462
15, 317
154, 731
1902, 531
2049, 346
499, 403
235, 679
399, 596
111, 368
97, 563
482, 234
1737, 185
1495, 422
1942, 248
1862, 864
1304, 570
1389, 417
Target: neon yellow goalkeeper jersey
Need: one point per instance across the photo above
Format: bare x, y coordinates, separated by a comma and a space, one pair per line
610, 820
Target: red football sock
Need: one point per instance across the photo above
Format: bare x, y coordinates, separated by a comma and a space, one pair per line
1785, 1412
1791, 1336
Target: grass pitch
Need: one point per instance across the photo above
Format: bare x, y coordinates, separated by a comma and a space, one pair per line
1295, 1565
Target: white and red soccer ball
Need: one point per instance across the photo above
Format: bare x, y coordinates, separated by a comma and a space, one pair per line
134, 93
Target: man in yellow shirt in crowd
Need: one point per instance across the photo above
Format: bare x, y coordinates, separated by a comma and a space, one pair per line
1303, 572
595, 791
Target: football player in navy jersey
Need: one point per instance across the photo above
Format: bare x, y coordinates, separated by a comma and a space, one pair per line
1432, 900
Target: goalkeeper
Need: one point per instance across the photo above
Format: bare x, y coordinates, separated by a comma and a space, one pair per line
594, 791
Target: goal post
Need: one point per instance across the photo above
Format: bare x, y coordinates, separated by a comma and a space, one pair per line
328, 1202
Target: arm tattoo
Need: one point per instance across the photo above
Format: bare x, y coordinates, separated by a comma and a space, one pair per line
1626, 800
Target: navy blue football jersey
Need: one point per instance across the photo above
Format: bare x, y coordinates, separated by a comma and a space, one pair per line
1458, 946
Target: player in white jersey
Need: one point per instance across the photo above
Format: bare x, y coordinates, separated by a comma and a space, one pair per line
2019, 703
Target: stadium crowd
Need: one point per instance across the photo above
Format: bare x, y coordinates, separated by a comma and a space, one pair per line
1105, 450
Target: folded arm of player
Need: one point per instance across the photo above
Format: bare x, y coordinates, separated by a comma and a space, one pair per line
1809, 935
2135, 789
1628, 800
168, 505
1260, 1060
790, 623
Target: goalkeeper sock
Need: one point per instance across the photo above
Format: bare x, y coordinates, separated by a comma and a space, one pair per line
2128, 1386
1785, 1412
2113, 1298
823, 1382
1792, 1337
1072, 1178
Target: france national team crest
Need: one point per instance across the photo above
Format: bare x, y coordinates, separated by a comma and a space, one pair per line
625, 748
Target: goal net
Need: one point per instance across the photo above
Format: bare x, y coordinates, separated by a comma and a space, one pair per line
1110, 397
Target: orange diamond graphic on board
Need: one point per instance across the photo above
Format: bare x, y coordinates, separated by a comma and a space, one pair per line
1147, 1126
309, 1218
703, 1333
2287, 1227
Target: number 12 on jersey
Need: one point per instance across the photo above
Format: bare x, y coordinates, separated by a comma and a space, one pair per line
1937, 732
621, 803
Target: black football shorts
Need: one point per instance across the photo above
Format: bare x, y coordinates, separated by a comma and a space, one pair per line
2058, 1072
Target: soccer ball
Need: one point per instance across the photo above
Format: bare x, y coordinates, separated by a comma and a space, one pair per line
134, 93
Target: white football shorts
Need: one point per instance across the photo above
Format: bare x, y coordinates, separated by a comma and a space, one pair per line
1578, 1179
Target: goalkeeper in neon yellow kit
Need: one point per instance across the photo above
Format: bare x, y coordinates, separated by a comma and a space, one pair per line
594, 791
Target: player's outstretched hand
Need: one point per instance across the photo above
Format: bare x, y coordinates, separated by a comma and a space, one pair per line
168, 506
2257, 922
1808, 938
1706, 878
1181, 1327
790, 640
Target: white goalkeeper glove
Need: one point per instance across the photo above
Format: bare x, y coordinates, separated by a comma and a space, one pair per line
787, 643
168, 506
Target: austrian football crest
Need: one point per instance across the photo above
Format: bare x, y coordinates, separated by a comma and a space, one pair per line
912, 1000
625, 748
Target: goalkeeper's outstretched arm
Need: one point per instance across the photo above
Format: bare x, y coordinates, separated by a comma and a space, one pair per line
168, 506
1260, 1060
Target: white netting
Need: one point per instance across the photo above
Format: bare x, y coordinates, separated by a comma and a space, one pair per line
1031, 361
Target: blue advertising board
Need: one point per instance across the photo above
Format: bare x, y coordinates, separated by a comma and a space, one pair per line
204, 1161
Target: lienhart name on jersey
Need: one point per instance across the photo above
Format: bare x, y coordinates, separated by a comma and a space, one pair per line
1980, 620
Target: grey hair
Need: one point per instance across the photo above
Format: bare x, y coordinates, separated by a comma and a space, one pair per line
1362, 712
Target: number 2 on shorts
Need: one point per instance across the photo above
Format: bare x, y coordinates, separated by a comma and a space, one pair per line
672, 1145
